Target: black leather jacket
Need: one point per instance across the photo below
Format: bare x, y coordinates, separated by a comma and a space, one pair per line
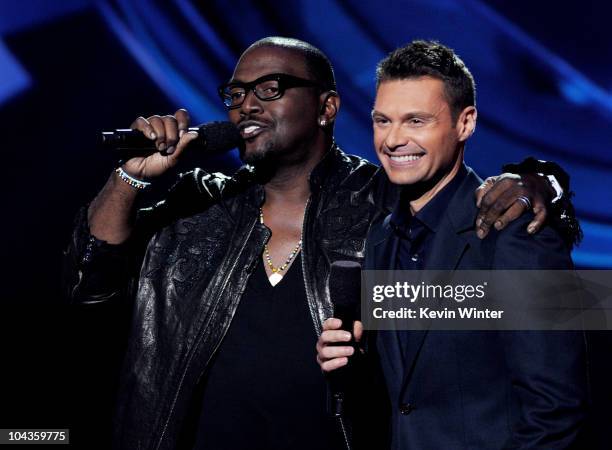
202, 244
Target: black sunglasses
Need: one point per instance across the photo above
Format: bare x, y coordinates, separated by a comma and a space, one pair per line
267, 88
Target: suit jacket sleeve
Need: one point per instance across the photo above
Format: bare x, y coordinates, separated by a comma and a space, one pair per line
547, 368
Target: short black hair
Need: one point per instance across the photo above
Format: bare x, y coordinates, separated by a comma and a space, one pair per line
430, 58
317, 63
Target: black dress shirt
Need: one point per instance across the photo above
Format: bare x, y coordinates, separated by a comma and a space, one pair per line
416, 232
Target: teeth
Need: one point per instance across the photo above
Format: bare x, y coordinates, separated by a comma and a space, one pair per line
251, 129
405, 158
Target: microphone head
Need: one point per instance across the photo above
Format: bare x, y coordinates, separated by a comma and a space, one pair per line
345, 287
220, 136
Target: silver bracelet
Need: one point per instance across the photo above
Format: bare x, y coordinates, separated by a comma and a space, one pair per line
555, 185
134, 182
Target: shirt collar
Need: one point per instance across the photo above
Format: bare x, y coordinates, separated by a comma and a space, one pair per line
431, 214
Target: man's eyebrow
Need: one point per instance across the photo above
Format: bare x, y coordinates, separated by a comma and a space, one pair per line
239, 81
408, 115
419, 114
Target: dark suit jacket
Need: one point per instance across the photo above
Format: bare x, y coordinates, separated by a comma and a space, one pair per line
481, 389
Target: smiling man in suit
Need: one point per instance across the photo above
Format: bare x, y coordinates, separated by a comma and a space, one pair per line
448, 389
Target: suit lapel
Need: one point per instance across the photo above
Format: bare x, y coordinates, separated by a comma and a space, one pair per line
385, 250
447, 249
385, 254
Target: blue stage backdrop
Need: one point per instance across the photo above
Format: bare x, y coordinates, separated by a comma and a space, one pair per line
71, 68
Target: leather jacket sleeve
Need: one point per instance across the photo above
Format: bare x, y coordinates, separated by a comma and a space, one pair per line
95, 271
562, 215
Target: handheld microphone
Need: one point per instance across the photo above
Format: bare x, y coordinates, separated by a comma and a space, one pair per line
213, 137
345, 294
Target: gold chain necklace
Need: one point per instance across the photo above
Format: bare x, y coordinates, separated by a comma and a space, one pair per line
276, 276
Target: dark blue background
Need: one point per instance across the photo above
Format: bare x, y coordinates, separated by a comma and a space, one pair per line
73, 67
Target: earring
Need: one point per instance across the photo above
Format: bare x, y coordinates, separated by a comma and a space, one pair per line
323, 122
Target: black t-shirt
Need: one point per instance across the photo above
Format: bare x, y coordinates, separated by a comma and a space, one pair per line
264, 389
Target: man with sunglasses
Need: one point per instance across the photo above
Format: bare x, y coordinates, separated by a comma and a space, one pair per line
225, 258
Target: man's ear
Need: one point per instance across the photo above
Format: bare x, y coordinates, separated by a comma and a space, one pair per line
330, 104
466, 123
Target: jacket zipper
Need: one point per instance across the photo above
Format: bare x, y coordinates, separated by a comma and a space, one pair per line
344, 435
315, 318
161, 438
311, 303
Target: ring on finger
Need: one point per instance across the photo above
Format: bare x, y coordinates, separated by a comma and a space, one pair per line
524, 200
